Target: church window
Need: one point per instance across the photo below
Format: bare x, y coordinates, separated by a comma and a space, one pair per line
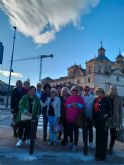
78, 81
89, 80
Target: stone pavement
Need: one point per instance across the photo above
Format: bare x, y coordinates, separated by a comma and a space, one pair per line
7, 142
41, 148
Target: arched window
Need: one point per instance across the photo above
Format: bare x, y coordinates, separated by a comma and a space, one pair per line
78, 81
89, 80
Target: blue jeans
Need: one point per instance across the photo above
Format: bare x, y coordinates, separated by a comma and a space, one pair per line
52, 122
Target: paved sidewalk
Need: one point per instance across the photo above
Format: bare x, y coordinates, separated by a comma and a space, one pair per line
42, 149
8, 141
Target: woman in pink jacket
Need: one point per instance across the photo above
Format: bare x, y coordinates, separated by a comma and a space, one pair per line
74, 104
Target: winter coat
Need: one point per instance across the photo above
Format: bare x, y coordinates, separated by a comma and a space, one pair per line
16, 96
24, 106
116, 117
89, 106
56, 105
101, 111
71, 111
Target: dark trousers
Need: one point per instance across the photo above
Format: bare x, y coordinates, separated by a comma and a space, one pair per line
113, 135
73, 131
101, 140
36, 123
88, 131
24, 128
45, 123
15, 124
65, 131
85, 139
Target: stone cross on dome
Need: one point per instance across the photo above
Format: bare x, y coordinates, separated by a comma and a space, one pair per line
101, 42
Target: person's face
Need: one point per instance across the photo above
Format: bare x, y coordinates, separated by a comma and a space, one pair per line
19, 84
47, 89
86, 91
52, 93
38, 87
64, 92
113, 91
59, 89
31, 92
74, 92
99, 93
26, 86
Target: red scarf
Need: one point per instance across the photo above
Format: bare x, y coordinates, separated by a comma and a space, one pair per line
96, 104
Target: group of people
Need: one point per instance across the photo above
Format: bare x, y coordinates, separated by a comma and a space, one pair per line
61, 108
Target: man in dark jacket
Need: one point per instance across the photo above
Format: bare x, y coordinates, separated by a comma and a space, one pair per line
45, 95
16, 96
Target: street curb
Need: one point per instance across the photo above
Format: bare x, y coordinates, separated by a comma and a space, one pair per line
5, 109
23, 155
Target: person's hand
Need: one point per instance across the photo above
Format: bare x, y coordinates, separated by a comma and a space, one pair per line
28, 113
105, 116
74, 105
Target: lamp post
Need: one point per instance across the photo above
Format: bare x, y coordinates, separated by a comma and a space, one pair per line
14, 37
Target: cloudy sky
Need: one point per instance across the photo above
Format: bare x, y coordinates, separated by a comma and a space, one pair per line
69, 29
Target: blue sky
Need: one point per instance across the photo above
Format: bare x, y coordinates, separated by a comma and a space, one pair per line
70, 45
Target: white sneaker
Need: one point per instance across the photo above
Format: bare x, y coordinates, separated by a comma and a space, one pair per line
27, 141
19, 143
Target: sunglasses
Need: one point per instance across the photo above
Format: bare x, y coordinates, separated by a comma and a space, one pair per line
86, 89
99, 91
52, 92
75, 90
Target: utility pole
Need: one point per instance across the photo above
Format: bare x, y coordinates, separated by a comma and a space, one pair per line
14, 37
41, 59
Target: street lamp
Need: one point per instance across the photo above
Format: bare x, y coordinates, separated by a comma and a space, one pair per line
14, 37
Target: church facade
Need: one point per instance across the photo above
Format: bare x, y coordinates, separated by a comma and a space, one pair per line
100, 72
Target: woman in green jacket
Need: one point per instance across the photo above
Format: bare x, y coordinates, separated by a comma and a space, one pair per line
29, 108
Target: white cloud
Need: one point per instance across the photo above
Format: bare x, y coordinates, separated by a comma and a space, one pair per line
41, 19
14, 74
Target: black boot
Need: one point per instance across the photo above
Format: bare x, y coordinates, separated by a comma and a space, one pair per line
110, 150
